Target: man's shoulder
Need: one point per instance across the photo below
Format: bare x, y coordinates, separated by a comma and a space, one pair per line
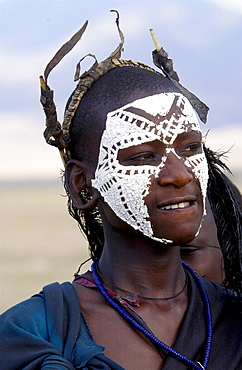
225, 303
52, 296
226, 311
220, 292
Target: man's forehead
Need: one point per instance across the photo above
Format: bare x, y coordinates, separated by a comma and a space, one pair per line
159, 104
163, 104
164, 115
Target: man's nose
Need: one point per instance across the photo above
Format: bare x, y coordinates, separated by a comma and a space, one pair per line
175, 172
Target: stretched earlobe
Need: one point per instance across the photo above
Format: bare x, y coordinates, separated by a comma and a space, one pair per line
91, 204
78, 176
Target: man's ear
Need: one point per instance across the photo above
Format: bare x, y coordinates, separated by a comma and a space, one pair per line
78, 177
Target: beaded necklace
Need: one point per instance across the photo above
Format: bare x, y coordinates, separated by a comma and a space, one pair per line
152, 337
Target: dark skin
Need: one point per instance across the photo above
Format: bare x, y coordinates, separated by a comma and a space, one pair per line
139, 264
204, 253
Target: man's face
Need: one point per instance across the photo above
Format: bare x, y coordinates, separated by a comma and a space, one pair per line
145, 142
204, 253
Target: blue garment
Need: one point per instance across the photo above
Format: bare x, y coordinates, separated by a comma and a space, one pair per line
49, 332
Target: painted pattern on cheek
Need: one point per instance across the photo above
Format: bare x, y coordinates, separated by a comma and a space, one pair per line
125, 187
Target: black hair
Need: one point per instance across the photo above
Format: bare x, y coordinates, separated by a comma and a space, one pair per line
224, 199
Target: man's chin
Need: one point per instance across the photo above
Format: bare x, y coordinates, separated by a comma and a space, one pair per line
179, 240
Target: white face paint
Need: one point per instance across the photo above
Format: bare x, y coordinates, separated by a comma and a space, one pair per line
124, 188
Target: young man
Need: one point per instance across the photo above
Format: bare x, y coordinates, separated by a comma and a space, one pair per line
137, 174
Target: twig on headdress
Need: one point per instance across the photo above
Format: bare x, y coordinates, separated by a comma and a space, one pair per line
157, 44
53, 132
161, 60
117, 52
78, 66
64, 50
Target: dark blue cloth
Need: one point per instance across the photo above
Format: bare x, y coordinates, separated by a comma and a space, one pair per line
49, 332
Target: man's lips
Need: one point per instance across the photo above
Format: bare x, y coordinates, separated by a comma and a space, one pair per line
177, 203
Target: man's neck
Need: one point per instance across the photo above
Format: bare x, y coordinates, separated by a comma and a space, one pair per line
141, 265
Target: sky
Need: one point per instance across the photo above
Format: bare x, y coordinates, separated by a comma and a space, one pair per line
203, 37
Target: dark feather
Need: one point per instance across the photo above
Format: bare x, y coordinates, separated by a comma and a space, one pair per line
228, 218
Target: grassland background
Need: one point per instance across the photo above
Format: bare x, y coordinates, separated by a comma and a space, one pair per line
40, 242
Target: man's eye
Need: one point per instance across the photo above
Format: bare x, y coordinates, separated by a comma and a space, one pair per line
142, 158
192, 149
187, 251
